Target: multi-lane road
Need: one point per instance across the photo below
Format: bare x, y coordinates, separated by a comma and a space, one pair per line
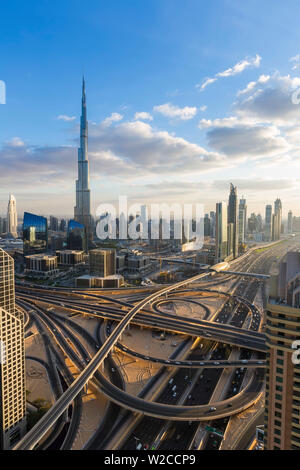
135, 306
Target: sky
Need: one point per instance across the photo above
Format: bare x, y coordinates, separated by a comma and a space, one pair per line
183, 98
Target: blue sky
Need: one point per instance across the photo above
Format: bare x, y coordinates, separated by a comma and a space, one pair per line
152, 57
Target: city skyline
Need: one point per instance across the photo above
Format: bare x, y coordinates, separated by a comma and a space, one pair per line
188, 130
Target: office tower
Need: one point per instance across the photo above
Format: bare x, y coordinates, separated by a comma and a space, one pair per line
242, 220
233, 217
243, 205
207, 227
1, 226
35, 234
230, 238
82, 210
290, 222
53, 225
221, 231
277, 219
282, 405
212, 216
12, 219
102, 262
62, 225
268, 223
12, 363
76, 236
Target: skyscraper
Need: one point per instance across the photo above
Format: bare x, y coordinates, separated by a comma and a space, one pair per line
282, 405
233, 217
221, 231
12, 359
12, 221
268, 223
242, 220
35, 234
290, 222
82, 210
277, 219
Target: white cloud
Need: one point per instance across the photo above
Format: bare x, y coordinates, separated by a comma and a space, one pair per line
15, 142
169, 110
64, 117
203, 108
296, 60
144, 116
236, 69
136, 148
269, 100
241, 66
114, 117
205, 83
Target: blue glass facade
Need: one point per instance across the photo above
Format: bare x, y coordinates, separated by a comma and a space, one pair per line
35, 234
76, 237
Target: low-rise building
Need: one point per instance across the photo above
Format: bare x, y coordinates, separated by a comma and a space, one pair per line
70, 257
114, 281
41, 265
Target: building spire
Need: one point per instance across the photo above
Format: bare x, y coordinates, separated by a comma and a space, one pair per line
83, 91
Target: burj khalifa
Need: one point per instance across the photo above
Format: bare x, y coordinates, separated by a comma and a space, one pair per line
82, 210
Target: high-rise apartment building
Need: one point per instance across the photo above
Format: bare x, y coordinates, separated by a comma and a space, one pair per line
53, 224
290, 222
233, 217
242, 220
12, 359
102, 262
221, 231
282, 406
12, 218
268, 223
277, 219
212, 216
82, 210
207, 228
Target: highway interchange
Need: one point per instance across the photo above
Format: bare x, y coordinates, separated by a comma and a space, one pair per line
230, 340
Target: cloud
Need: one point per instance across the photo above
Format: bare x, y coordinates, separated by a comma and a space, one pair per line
247, 141
241, 66
169, 110
296, 61
114, 117
205, 83
138, 148
269, 100
64, 117
231, 71
143, 116
203, 108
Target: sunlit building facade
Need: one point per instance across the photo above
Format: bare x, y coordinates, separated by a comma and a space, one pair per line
12, 359
35, 234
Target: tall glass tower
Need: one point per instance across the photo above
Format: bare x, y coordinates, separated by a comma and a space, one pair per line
12, 219
12, 359
82, 210
233, 217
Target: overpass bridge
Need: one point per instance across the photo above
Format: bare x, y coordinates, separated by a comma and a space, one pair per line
171, 412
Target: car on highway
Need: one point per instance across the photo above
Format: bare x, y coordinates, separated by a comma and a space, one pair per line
211, 409
216, 363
